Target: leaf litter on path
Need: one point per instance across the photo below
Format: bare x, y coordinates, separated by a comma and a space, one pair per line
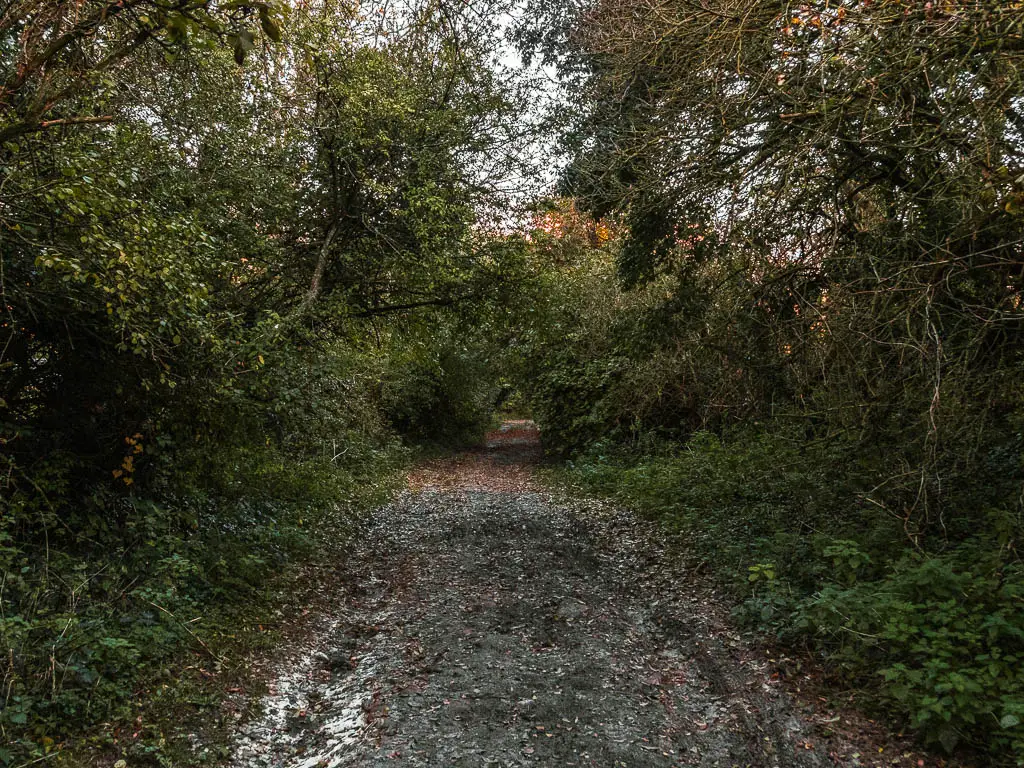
491, 624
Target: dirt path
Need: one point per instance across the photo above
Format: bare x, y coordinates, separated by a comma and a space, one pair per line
486, 624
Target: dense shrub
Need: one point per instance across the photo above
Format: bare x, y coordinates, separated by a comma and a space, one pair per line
107, 592
444, 396
946, 635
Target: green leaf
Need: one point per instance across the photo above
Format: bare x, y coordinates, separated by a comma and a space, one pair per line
1009, 721
270, 27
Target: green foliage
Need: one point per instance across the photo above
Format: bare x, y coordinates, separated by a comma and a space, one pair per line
945, 633
443, 397
145, 579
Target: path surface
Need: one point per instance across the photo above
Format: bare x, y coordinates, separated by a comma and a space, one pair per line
486, 624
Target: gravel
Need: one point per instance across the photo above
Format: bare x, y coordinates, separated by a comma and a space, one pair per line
485, 627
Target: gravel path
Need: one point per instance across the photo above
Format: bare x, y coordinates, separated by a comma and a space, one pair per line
482, 627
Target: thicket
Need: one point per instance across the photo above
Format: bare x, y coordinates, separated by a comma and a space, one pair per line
783, 315
245, 250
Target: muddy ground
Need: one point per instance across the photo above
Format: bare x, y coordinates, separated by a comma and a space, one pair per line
483, 622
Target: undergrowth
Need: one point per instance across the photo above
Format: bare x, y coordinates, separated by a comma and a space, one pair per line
931, 629
122, 646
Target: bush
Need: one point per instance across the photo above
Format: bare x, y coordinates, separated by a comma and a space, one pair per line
945, 633
445, 397
107, 585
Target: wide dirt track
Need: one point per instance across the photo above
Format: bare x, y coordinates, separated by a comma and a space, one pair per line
483, 622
